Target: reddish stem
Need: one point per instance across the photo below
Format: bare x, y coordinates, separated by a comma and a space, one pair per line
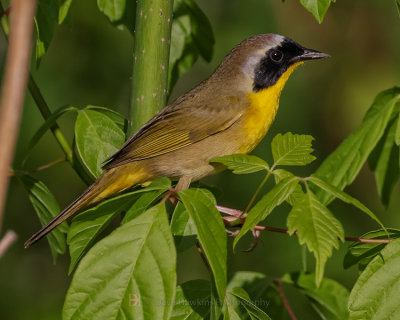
284, 299
229, 211
368, 240
238, 213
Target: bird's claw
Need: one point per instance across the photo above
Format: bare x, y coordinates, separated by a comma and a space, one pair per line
232, 233
256, 235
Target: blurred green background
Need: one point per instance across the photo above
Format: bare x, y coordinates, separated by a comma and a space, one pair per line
90, 62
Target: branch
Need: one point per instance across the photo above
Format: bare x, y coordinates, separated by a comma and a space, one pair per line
38, 97
9, 238
151, 59
235, 215
14, 87
43, 167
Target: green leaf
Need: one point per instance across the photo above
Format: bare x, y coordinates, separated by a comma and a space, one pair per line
131, 274
335, 192
397, 134
261, 292
376, 292
142, 204
97, 138
362, 253
46, 207
84, 229
317, 228
201, 29
216, 302
329, 299
318, 8
120, 13
292, 149
252, 309
192, 301
398, 6
118, 118
159, 184
113, 9
242, 163
211, 233
230, 312
88, 225
279, 175
64, 9
183, 228
191, 36
46, 20
46, 126
278, 194
81, 170
384, 161
343, 165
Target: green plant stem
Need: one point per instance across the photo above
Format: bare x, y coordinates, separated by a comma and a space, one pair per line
151, 59
304, 257
257, 192
46, 113
39, 99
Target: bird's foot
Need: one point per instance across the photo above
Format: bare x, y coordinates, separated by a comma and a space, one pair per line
171, 195
256, 235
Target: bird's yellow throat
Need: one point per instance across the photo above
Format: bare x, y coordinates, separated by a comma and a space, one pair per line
262, 110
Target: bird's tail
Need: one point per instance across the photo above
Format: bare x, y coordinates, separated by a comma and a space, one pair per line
81, 202
111, 182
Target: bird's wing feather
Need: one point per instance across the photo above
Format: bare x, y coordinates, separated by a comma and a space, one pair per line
174, 128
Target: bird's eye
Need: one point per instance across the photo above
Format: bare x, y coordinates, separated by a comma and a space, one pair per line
276, 56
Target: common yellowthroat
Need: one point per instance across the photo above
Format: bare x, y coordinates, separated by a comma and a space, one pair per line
228, 113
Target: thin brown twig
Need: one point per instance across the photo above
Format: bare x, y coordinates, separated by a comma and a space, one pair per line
14, 87
238, 213
284, 299
40, 168
9, 238
203, 256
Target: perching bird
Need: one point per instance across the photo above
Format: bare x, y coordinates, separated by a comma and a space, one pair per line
228, 113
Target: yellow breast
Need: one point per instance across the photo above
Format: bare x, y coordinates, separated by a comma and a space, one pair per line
261, 112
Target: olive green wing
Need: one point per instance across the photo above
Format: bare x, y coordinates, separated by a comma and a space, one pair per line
172, 129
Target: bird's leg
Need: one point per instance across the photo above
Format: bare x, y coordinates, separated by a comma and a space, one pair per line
183, 184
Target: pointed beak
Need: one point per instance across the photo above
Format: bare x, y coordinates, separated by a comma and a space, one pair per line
309, 54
